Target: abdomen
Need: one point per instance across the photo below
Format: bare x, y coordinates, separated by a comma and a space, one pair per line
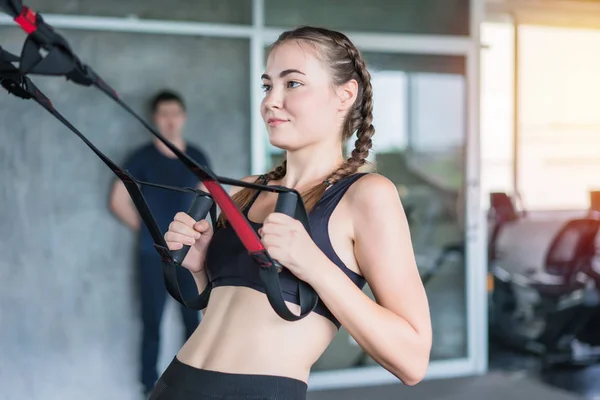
241, 333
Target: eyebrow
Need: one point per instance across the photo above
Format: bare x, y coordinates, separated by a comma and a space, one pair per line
284, 73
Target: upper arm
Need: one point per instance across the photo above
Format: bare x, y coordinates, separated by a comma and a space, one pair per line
119, 194
384, 251
135, 166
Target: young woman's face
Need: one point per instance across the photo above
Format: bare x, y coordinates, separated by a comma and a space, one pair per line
300, 107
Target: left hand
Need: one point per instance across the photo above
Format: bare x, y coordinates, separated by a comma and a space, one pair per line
286, 240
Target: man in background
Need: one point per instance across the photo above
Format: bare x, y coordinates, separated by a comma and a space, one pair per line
155, 163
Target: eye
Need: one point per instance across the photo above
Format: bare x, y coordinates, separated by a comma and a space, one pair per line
291, 84
265, 87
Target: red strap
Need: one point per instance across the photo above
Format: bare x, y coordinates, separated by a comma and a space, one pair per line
239, 224
27, 20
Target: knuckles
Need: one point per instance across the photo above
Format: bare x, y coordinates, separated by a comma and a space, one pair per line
180, 215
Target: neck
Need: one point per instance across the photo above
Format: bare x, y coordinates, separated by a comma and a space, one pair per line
311, 166
179, 143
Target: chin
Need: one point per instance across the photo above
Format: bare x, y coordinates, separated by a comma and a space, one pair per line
288, 143
281, 140
282, 145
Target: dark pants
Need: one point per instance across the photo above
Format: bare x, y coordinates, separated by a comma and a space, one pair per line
184, 382
153, 295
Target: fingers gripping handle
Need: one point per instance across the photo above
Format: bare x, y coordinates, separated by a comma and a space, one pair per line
198, 211
291, 204
286, 204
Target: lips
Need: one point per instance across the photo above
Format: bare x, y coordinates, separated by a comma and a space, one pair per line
275, 121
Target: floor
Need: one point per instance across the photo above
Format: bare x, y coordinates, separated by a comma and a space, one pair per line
512, 376
494, 386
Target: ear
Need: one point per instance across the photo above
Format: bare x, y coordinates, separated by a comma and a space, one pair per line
347, 93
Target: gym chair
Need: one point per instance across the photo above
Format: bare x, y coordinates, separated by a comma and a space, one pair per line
545, 311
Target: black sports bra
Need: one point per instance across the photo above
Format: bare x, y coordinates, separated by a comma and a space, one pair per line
229, 264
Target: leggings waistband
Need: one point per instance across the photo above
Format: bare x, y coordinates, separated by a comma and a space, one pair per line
217, 384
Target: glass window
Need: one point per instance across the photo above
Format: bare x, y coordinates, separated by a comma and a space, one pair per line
497, 111
559, 127
436, 17
217, 11
559, 157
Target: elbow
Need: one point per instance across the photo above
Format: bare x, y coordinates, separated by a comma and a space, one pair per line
414, 377
411, 372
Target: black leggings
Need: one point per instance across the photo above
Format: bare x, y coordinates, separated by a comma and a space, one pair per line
183, 382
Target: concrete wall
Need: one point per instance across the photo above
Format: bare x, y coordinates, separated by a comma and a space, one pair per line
68, 313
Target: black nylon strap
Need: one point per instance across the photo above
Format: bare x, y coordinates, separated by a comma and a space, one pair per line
290, 204
60, 60
11, 7
27, 90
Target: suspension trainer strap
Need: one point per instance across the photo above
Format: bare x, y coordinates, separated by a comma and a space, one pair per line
25, 89
60, 60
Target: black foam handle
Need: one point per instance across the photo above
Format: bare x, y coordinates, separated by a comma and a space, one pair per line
198, 211
286, 204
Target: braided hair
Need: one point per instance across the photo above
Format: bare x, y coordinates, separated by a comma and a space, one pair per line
345, 63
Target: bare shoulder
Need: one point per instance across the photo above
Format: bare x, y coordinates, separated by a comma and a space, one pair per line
373, 191
373, 201
250, 179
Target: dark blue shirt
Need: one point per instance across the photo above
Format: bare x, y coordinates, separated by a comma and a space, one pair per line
149, 165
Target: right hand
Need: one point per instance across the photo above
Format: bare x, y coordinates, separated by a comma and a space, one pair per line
183, 230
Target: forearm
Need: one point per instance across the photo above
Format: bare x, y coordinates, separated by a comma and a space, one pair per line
387, 338
133, 221
128, 216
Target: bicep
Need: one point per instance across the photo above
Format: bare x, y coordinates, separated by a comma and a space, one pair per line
385, 254
134, 165
119, 194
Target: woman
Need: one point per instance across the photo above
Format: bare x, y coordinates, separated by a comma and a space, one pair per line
317, 94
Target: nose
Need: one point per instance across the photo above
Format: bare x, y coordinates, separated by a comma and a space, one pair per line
273, 99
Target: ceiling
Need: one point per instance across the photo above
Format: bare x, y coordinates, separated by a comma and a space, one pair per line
568, 13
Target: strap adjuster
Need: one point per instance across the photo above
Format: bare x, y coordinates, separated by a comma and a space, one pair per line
27, 20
